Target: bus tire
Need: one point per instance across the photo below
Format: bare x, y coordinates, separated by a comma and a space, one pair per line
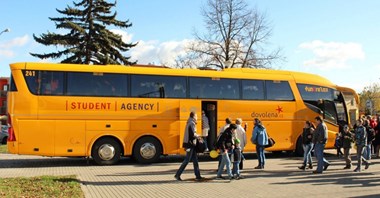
106, 151
147, 150
299, 147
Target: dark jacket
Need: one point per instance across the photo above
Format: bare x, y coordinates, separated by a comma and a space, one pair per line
227, 141
305, 135
347, 138
370, 134
236, 155
320, 134
190, 136
360, 136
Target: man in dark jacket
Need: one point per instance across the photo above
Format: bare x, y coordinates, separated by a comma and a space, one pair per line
189, 143
227, 144
319, 140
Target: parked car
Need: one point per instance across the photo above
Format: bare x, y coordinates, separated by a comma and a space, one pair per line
4, 134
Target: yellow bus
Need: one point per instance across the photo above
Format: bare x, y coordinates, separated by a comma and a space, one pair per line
352, 104
106, 112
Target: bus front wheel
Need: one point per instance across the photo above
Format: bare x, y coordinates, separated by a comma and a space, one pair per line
147, 150
106, 151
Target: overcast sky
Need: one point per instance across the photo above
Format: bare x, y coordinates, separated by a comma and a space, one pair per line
337, 39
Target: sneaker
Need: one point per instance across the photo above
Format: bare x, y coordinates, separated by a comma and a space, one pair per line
240, 177
199, 178
220, 177
178, 178
347, 167
357, 170
303, 167
317, 172
367, 165
327, 165
310, 166
206, 150
258, 167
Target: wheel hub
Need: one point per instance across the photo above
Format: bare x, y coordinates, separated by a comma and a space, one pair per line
148, 150
106, 152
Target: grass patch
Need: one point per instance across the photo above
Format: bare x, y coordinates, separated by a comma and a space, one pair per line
43, 186
3, 148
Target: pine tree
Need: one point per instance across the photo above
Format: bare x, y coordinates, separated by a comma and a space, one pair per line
88, 41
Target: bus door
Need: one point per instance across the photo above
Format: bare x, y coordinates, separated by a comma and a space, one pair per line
187, 106
209, 107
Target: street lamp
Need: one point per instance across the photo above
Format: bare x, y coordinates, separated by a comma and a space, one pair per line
6, 30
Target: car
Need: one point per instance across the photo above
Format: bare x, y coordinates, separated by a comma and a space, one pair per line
4, 135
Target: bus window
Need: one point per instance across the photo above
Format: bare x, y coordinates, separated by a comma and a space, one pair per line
214, 88
97, 84
145, 86
51, 83
278, 90
44, 82
330, 113
253, 89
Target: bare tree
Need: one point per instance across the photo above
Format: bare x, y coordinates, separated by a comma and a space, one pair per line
234, 38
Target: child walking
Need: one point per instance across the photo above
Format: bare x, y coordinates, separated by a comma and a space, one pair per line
236, 158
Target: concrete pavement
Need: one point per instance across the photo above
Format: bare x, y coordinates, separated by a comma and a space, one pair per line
281, 177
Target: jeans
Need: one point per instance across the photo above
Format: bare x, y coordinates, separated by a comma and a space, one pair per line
319, 148
347, 157
235, 169
190, 155
307, 154
359, 152
224, 162
367, 152
260, 155
205, 141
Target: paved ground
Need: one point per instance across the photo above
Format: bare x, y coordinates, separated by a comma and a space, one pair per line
281, 178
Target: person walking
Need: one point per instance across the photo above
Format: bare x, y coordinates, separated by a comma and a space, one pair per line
242, 136
260, 139
307, 136
189, 143
226, 145
361, 142
347, 139
319, 140
370, 138
205, 129
338, 145
236, 157
376, 142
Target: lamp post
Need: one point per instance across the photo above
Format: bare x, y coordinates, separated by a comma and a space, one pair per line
6, 30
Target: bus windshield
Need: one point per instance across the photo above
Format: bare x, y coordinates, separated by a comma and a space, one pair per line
326, 100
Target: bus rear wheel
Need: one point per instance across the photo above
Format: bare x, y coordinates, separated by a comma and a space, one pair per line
147, 150
106, 151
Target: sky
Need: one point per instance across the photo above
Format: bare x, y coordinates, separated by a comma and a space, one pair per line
336, 39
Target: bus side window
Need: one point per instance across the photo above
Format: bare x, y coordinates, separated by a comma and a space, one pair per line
51, 83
